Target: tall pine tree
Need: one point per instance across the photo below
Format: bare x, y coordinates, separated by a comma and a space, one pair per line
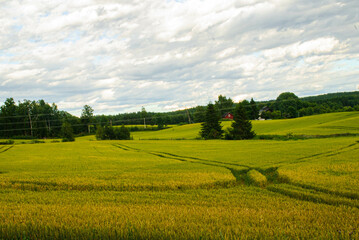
241, 127
211, 128
254, 110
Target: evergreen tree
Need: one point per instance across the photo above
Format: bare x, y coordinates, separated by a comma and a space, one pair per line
254, 110
241, 127
211, 128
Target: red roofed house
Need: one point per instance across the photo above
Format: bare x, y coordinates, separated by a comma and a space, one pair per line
228, 116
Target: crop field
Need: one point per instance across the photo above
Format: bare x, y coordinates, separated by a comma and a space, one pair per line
190, 189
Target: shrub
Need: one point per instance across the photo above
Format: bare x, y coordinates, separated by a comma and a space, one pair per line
7, 142
111, 133
37, 141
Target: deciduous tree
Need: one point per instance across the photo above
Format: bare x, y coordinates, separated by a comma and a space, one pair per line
87, 116
224, 104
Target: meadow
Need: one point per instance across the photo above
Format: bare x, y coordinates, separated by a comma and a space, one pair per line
190, 189
323, 124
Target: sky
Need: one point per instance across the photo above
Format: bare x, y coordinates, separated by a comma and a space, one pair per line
165, 55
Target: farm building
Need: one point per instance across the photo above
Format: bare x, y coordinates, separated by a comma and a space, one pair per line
228, 115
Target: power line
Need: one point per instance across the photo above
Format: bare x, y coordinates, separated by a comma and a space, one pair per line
60, 113
26, 116
185, 114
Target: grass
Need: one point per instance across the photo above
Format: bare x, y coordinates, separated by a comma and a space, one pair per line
324, 124
187, 189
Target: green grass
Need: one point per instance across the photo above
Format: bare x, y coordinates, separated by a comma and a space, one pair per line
324, 124
186, 189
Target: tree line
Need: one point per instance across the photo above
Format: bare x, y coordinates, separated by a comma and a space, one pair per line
38, 119
286, 105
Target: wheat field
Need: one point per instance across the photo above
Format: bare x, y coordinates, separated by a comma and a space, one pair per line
189, 189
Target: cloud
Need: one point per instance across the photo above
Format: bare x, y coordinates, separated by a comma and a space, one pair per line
120, 55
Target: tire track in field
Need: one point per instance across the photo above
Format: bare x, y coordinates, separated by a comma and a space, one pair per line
97, 150
238, 174
316, 194
331, 152
294, 190
124, 147
313, 194
4, 149
324, 154
118, 146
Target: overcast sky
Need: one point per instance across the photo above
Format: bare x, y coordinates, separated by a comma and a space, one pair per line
166, 55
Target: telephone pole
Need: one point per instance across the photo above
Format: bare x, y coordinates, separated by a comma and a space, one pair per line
189, 117
30, 120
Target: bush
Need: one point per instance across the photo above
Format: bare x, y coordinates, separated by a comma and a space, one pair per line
37, 141
122, 133
7, 142
67, 140
111, 133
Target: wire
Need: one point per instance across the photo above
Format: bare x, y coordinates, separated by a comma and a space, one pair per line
62, 119
60, 112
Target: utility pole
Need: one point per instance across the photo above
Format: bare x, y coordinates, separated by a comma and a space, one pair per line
189, 117
30, 120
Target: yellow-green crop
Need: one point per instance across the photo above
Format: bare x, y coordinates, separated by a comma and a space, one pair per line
190, 189
324, 124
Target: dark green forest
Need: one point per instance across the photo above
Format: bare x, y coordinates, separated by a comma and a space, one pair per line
38, 119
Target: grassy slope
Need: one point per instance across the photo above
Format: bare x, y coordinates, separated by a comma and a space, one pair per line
324, 124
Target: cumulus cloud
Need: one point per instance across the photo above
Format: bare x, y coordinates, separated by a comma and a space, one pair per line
120, 55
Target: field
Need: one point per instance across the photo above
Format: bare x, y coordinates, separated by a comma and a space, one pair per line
189, 189
324, 124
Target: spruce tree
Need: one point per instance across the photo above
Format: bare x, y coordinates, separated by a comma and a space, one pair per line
241, 127
254, 110
211, 128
